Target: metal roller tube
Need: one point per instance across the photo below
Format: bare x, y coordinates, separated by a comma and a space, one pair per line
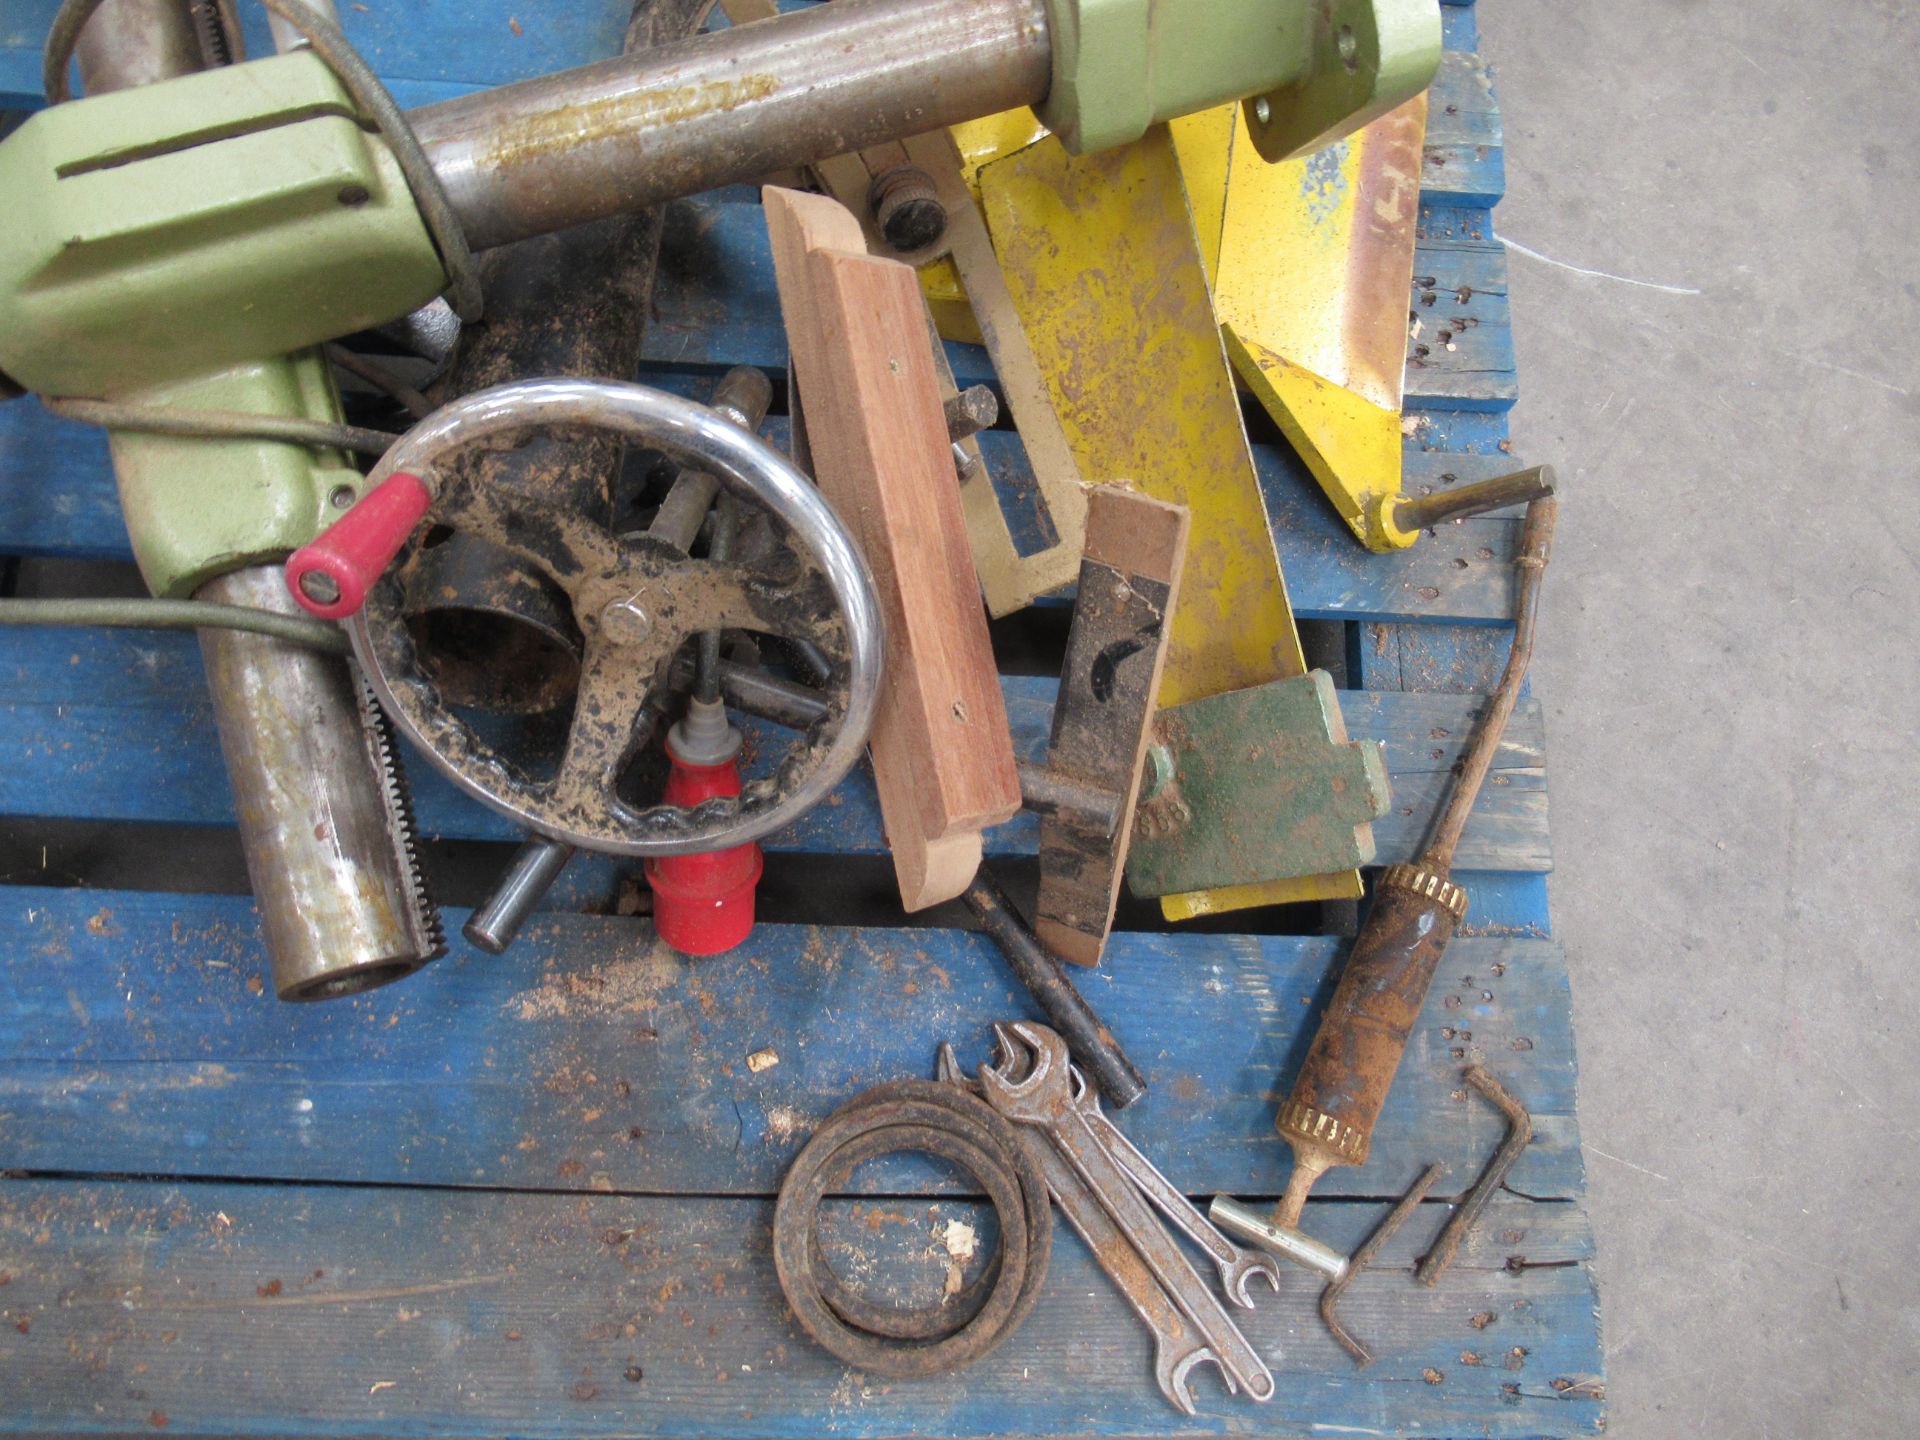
322, 807
136, 42
723, 108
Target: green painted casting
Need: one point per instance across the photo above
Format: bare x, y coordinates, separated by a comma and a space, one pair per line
198, 508
1265, 786
186, 244
1311, 71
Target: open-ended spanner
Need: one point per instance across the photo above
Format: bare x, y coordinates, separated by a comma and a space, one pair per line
1236, 1266
1044, 1098
1177, 1347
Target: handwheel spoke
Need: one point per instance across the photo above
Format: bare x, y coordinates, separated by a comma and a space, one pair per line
614, 682
698, 595
561, 543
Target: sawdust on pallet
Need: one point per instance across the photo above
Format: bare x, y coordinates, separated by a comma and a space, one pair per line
783, 1123
961, 1242
627, 984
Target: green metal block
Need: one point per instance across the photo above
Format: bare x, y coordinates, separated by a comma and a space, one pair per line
182, 228
1256, 785
1316, 69
186, 245
199, 508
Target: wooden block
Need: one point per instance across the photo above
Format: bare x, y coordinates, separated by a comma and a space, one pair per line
942, 748
881, 453
1129, 586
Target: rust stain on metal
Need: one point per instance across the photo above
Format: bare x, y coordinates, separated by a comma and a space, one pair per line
1386, 204
541, 136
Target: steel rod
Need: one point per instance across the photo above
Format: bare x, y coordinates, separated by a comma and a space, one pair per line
1045, 975
1050, 793
1519, 1135
517, 894
727, 107
1520, 488
1536, 546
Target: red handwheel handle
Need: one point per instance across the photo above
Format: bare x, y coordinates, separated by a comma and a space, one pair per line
331, 574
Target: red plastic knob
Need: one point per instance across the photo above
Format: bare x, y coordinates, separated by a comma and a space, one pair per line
703, 904
331, 574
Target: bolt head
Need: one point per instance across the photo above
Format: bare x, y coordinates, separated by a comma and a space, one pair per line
1159, 772
625, 622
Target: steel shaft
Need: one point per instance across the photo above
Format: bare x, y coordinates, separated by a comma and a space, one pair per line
136, 42
517, 894
341, 907
1522, 487
722, 108
1045, 976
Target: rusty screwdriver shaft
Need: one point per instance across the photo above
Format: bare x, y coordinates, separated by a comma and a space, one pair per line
1329, 1116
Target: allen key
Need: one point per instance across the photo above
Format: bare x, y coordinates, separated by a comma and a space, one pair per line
1519, 1135
1245, 1223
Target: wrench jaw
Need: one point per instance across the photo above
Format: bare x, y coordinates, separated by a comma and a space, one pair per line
946, 1067
1040, 1095
1234, 1277
1175, 1376
1235, 1272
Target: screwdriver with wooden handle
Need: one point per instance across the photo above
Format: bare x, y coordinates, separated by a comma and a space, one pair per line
1329, 1117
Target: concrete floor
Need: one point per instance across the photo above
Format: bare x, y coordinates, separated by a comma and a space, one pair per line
1728, 667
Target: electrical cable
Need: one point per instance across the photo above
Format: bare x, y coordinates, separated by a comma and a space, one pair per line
143, 613
221, 424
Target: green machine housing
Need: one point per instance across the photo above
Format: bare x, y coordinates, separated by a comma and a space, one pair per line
186, 246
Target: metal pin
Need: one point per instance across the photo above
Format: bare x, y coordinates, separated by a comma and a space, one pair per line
517, 894
1520, 488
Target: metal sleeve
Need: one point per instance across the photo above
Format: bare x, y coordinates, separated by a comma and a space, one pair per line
723, 108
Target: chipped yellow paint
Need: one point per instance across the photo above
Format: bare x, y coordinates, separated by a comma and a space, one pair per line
1352, 446
1316, 266
1203, 142
1104, 268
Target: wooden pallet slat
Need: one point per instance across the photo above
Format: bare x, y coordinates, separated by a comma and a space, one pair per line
134, 1043
221, 1309
108, 724
71, 512
1465, 154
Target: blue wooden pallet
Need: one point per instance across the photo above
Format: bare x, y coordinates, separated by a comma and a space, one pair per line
531, 1195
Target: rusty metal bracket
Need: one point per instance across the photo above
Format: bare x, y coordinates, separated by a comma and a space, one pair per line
1129, 588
